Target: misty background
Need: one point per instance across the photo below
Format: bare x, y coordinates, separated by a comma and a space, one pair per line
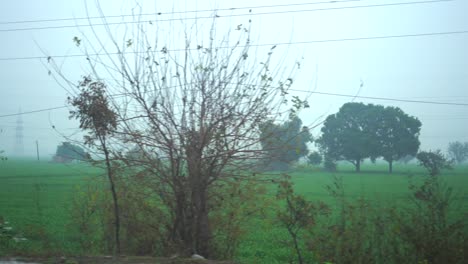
406, 50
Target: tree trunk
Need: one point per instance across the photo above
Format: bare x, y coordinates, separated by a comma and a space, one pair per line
390, 166
358, 165
203, 228
296, 246
181, 233
114, 199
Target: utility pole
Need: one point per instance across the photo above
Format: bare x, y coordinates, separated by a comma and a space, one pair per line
19, 147
37, 149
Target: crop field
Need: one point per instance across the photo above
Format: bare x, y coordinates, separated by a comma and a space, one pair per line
38, 194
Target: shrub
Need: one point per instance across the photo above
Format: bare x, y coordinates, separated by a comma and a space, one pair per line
433, 161
427, 228
237, 204
298, 215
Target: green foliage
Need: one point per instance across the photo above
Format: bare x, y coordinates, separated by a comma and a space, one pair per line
397, 135
86, 211
314, 158
93, 110
355, 232
346, 134
426, 226
67, 152
298, 215
433, 161
142, 220
284, 143
360, 131
236, 205
458, 151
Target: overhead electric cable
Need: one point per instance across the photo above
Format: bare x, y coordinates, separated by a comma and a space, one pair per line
175, 12
232, 15
34, 111
296, 90
381, 98
251, 45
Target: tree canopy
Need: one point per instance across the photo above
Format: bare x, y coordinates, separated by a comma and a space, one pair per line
67, 152
397, 135
360, 131
284, 143
346, 134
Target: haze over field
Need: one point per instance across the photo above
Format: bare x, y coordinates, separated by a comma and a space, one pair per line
430, 68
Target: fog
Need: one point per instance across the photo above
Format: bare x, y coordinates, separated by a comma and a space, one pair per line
347, 54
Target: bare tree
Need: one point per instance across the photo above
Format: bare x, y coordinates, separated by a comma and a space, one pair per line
192, 114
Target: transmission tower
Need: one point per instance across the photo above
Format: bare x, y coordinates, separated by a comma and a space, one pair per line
19, 146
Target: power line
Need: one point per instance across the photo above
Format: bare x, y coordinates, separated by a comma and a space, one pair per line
251, 45
34, 111
174, 12
232, 15
296, 90
381, 98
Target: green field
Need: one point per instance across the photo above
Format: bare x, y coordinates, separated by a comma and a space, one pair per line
36, 194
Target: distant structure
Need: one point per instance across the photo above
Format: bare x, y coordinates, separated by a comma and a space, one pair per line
19, 146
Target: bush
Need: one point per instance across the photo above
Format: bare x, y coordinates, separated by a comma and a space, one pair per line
298, 215
358, 231
237, 203
433, 161
425, 225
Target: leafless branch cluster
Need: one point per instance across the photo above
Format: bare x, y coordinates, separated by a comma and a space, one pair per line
187, 118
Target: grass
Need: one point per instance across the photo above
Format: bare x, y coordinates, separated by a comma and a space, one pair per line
34, 194
38, 194
373, 183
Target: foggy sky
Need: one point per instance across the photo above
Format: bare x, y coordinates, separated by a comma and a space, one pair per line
429, 68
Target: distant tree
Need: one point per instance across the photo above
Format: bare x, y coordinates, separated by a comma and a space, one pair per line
329, 164
314, 158
397, 135
360, 131
67, 152
433, 161
346, 134
284, 143
406, 159
458, 151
